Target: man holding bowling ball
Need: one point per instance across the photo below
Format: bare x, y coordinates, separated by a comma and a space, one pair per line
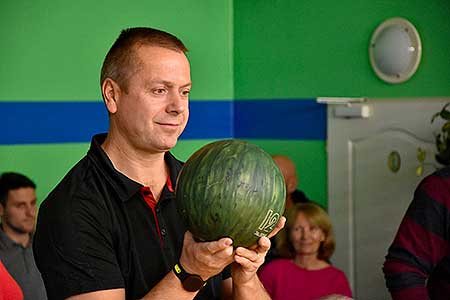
110, 229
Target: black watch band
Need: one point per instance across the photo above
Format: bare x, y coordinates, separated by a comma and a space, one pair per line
190, 282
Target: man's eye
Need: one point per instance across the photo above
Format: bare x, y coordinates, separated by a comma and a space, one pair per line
159, 91
186, 93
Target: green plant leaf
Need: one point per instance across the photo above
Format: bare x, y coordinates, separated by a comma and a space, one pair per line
421, 155
435, 116
445, 114
446, 126
442, 139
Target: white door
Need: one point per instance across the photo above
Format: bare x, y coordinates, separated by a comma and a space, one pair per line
372, 173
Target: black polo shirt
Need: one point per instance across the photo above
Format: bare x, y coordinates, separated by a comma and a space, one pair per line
95, 232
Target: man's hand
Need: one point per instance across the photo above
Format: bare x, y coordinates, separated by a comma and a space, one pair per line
278, 227
247, 261
206, 259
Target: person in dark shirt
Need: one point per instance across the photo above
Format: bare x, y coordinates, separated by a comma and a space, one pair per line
18, 214
110, 229
417, 266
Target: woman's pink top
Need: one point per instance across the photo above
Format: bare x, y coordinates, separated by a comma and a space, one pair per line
284, 280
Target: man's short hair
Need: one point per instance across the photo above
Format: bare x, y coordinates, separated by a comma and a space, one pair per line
13, 181
121, 61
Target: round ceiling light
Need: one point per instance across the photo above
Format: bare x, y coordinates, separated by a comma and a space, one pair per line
395, 50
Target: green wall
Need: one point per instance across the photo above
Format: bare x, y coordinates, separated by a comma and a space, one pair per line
305, 49
244, 49
52, 50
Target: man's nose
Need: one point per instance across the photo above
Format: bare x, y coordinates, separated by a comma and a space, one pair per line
178, 103
31, 210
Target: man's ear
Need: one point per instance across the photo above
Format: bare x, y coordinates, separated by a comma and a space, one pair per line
2, 210
111, 94
291, 185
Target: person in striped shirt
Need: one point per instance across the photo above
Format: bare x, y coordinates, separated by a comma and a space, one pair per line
417, 265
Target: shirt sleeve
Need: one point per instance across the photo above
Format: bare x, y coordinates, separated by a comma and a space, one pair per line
420, 243
74, 248
342, 285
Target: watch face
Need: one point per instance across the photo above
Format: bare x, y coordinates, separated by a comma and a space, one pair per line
193, 283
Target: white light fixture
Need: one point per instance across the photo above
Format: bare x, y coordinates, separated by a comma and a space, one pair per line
395, 50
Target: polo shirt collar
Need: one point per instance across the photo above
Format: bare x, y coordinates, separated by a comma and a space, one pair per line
7, 242
124, 186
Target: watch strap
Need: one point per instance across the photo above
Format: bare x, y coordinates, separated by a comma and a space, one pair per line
190, 282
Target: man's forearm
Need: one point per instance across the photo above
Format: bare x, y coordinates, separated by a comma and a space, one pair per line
169, 288
252, 290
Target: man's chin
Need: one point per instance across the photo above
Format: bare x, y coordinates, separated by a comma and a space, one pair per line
168, 145
23, 229
160, 146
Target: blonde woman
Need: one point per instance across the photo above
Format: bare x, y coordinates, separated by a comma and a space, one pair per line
304, 272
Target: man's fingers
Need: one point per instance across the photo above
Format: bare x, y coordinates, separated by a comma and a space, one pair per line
243, 261
250, 255
206, 258
188, 238
263, 244
211, 247
253, 255
217, 246
225, 255
256, 253
278, 227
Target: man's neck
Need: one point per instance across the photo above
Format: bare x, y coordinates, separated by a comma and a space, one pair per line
149, 169
19, 238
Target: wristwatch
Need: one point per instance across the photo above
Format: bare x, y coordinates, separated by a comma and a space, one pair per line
190, 282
